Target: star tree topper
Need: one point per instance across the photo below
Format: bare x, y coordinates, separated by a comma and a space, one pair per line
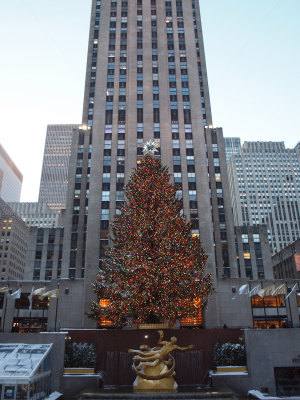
150, 148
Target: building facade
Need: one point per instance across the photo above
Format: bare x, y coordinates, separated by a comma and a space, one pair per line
44, 254
146, 79
54, 178
10, 178
13, 244
264, 184
253, 252
286, 263
36, 214
232, 146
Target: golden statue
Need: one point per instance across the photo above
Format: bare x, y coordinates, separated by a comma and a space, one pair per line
155, 367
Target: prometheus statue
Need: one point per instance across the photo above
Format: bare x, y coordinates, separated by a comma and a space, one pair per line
155, 367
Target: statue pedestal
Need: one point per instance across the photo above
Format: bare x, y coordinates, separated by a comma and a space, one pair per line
164, 385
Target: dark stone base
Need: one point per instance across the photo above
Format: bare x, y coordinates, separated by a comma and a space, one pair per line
191, 393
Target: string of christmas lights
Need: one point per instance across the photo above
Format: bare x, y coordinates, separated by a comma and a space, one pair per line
154, 270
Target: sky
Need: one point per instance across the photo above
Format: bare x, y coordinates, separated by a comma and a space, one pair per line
253, 62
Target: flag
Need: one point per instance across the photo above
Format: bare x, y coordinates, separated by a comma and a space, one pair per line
38, 292
51, 293
293, 289
16, 294
244, 289
30, 298
281, 289
254, 291
267, 291
4, 289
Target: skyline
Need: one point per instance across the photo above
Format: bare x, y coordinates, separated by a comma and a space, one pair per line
252, 70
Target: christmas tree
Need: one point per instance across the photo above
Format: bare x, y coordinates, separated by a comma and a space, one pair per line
154, 269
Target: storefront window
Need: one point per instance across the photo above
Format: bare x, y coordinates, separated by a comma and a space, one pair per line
22, 392
25, 325
287, 381
269, 324
37, 302
268, 302
9, 393
1, 300
298, 298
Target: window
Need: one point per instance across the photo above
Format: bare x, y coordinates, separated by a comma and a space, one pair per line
268, 302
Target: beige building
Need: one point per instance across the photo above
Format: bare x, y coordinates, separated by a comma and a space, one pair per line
13, 243
264, 183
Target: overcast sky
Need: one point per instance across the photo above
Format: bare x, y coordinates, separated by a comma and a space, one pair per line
253, 61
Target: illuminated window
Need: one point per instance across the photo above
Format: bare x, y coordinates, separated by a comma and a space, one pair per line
269, 324
268, 302
103, 320
247, 255
298, 298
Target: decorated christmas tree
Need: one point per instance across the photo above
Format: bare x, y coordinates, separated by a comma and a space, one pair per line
153, 272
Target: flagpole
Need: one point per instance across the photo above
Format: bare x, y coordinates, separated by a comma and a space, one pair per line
251, 305
3, 324
56, 306
290, 306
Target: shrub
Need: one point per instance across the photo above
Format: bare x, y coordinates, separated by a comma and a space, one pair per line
229, 354
80, 355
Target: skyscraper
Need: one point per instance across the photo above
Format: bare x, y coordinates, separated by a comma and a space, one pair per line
265, 189
146, 79
53, 186
10, 178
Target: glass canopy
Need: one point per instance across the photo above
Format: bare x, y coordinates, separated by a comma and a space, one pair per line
24, 371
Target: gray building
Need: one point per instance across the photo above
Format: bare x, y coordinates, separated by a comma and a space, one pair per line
264, 183
253, 252
286, 263
232, 146
53, 185
13, 243
36, 214
10, 178
44, 254
146, 79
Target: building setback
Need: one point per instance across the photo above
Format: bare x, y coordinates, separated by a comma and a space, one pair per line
36, 214
53, 185
286, 263
13, 243
10, 178
264, 184
146, 79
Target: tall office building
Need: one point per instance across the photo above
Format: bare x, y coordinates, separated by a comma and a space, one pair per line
146, 79
232, 146
54, 178
13, 244
264, 182
10, 178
